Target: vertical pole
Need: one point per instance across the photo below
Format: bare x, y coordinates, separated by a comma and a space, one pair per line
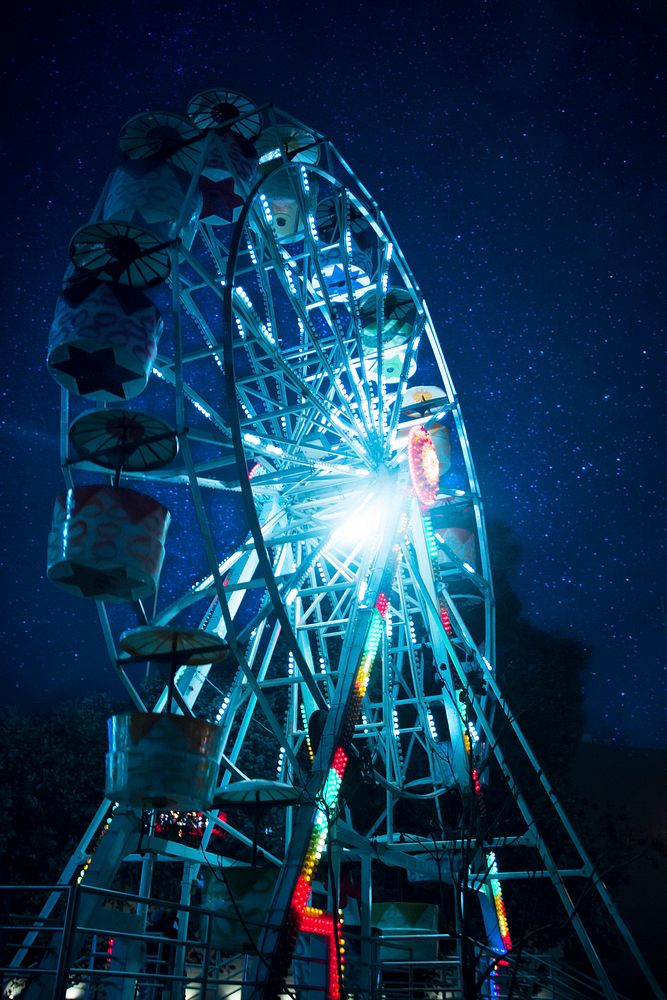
183, 922
145, 883
334, 902
208, 921
69, 927
367, 971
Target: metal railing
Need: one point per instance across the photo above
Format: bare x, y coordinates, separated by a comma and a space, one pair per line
99, 944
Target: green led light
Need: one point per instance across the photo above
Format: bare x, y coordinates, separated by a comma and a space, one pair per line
431, 544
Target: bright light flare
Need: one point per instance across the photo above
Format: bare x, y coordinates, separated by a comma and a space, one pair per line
363, 524
359, 527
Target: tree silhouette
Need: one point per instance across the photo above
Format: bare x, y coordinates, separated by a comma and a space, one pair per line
51, 780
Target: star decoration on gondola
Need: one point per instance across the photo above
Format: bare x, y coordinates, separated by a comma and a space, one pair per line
221, 202
96, 371
128, 300
91, 581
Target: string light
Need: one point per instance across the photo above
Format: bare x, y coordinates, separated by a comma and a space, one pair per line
307, 918
265, 205
304, 719
290, 281
316, 921
186, 826
424, 466
201, 409
444, 617
491, 863
281, 758
429, 534
243, 295
266, 330
102, 830
397, 737
223, 708
497, 891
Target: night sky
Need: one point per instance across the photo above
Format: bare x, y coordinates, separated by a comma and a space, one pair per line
518, 152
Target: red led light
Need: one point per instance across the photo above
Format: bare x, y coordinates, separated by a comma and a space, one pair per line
382, 604
325, 925
301, 895
445, 619
339, 761
217, 831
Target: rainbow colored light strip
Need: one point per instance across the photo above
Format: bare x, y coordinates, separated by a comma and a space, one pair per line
492, 867
306, 918
498, 900
101, 831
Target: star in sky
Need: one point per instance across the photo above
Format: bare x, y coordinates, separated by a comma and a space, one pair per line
521, 188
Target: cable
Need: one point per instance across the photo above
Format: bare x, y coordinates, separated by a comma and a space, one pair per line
240, 916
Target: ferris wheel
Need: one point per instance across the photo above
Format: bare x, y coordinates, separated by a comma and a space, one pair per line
290, 528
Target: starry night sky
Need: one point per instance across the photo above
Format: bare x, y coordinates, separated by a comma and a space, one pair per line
518, 151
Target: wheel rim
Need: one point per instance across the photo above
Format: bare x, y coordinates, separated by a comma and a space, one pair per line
292, 367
